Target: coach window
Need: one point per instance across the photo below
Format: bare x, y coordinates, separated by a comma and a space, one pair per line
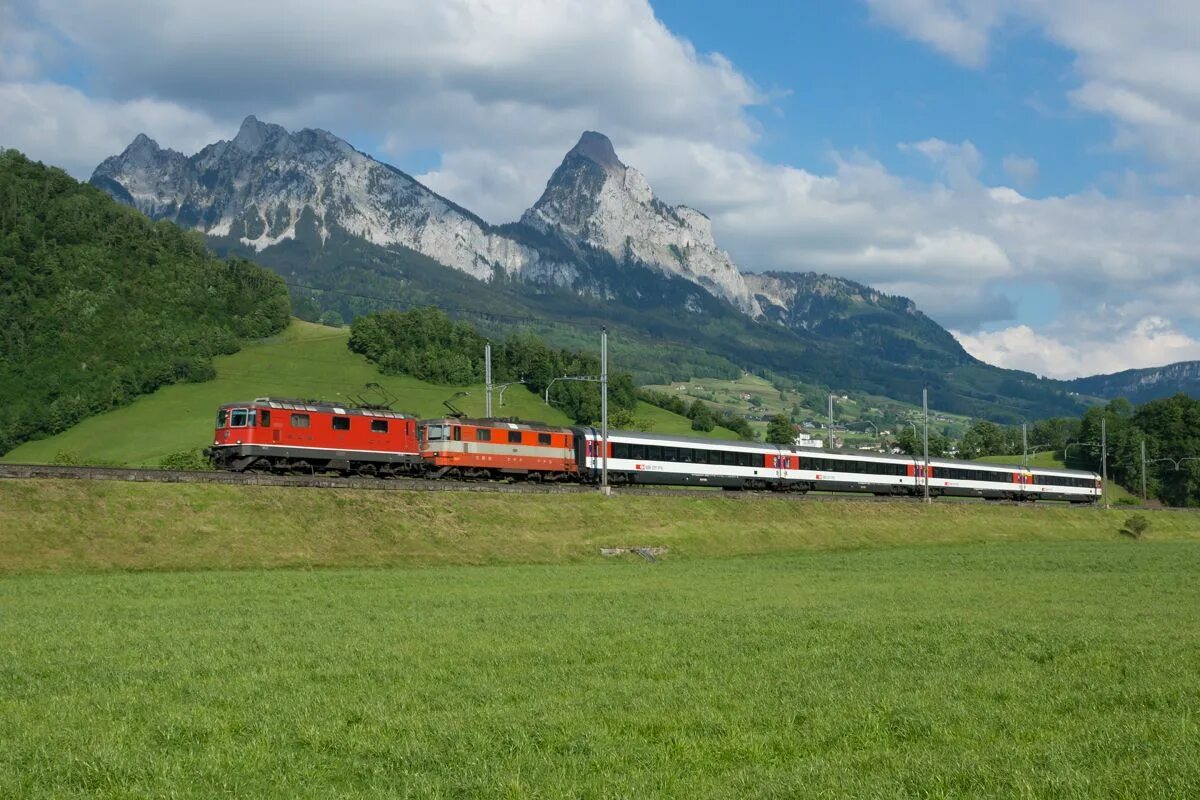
341, 423
483, 435
299, 420
514, 437
543, 438
379, 426
620, 450
238, 418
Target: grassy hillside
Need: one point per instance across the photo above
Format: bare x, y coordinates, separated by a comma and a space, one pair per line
306, 360
755, 396
1029, 669
84, 525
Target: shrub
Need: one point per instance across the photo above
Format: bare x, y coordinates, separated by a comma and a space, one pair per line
1135, 526
190, 460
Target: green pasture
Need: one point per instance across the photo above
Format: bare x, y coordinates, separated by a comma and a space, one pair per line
306, 361
1024, 669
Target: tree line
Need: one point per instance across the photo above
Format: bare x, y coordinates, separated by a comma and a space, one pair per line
426, 344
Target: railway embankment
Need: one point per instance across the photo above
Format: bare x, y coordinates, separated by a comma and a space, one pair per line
72, 525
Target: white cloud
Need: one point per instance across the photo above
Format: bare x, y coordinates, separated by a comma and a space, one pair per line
64, 127
958, 28
1085, 350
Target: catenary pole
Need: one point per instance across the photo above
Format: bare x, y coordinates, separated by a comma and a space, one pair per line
1025, 444
830, 437
1104, 460
1143, 471
487, 379
925, 407
604, 409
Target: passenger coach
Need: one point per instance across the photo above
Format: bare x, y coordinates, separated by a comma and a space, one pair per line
677, 460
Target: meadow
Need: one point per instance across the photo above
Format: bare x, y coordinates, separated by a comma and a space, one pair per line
306, 360
1031, 669
196, 641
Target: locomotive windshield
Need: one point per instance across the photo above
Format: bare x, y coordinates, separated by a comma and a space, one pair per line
237, 418
436, 433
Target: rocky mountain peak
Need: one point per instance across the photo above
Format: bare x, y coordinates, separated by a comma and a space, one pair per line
595, 199
252, 134
598, 148
267, 186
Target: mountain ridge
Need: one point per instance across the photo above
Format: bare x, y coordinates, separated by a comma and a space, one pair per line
1142, 384
597, 245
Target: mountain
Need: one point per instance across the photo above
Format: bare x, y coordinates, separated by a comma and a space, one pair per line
352, 234
595, 199
101, 305
265, 183
1142, 385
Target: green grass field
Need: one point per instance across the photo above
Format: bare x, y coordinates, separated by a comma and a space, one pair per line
1053, 669
307, 360
194, 640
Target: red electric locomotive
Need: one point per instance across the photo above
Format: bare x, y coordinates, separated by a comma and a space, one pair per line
314, 436
495, 448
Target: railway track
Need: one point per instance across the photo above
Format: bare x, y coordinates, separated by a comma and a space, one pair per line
150, 475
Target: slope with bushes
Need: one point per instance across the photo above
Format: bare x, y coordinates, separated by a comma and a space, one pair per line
101, 305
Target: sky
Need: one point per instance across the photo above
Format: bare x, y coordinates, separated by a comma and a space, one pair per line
1025, 171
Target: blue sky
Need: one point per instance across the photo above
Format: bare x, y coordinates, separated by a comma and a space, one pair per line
841, 81
1024, 171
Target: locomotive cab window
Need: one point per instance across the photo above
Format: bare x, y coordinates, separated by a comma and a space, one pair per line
514, 437
341, 423
238, 418
222, 418
299, 420
379, 426
543, 438
483, 435
264, 418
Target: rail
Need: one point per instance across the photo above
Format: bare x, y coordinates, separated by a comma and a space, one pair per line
152, 475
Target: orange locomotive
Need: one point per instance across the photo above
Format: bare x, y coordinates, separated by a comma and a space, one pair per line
494, 448
314, 436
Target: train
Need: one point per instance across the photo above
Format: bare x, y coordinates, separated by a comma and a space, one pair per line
298, 436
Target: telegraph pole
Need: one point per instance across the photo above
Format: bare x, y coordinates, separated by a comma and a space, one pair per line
604, 409
925, 406
487, 380
1104, 460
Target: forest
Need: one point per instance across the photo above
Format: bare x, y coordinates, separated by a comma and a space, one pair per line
101, 305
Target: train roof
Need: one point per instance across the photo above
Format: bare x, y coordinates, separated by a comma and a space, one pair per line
512, 423
322, 406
